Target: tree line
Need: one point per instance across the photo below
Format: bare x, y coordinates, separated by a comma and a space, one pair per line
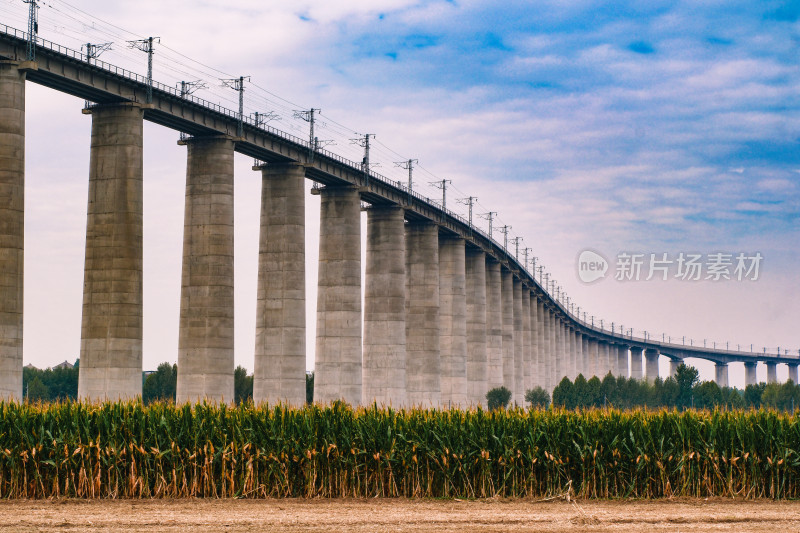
56, 384
683, 391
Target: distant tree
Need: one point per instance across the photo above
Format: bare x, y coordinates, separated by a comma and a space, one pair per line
498, 397
242, 385
608, 390
161, 384
753, 395
670, 392
687, 378
310, 387
538, 397
37, 391
707, 395
565, 394
593, 397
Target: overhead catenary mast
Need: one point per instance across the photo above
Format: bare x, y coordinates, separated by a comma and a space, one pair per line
93, 51
442, 184
33, 27
146, 45
237, 84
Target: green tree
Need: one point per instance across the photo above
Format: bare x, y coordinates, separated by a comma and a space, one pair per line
309, 387
670, 392
753, 395
707, 395
242, 385
687, 378
37, 391
538, 397
161, 384
498, 397
563, 394
608, 390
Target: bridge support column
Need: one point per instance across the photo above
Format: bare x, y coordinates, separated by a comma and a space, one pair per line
673, 367
477, 368
606, 358
622, 361
453, 320
792, 367
636, 363
591, 369
280, 351
423, 364
772, 372
543, 344
111, 326
12, 219
526, 344
384, 370
519, 346
651, 358
535, 369
586, 361
750, 377
337, 370
721, 374
573, 353
508, 329
494, 324
205, 338
558, 353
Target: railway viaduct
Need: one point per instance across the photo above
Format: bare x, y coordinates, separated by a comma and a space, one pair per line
448, 313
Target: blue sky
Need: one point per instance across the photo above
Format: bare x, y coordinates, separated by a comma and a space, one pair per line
651, 127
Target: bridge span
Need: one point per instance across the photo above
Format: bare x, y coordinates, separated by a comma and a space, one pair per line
448, 312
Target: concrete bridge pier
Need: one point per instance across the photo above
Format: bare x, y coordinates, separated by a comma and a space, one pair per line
535, 368
337, 370
551, 348
558, 354
12, 219
586, 362
494, 324
111, 325
636, 362
577, 348
280, 349
453, 320
423, 363
622, 361
721, 374
384, 358
792, 367
750, 377
519, 346
772, 372
591, 359
543, 344
477, 367
673, 367
608, 362
205, 337
651, 358
508, 329
526, 343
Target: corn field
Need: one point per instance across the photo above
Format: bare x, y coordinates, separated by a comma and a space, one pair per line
126, 450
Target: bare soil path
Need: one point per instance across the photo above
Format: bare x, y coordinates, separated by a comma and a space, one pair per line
398, 515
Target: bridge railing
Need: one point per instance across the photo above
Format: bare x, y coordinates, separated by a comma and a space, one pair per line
641, 337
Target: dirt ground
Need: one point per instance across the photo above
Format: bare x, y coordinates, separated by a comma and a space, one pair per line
399, 515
